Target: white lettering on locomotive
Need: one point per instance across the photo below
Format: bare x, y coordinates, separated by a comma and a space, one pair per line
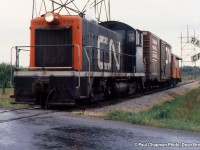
112, 48
112, 51
103, 65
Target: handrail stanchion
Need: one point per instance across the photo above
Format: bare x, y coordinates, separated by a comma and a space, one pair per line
89, 68
79, 69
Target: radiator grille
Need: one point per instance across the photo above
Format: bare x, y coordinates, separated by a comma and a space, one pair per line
55, 56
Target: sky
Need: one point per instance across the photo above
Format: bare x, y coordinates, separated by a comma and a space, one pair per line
165, 18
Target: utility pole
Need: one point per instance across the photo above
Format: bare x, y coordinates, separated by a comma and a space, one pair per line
71, 7
187, 51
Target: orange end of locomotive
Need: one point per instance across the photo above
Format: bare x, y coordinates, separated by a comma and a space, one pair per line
53, 21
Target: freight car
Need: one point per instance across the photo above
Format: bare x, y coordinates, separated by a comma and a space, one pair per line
162, 67
176, 72
73, 59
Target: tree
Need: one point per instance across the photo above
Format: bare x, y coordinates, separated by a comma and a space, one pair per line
5, 73
191, 71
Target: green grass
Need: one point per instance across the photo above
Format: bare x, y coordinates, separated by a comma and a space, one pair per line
186, 78
5, 100
181, 113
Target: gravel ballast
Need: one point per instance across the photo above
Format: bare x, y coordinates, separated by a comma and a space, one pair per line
142, 103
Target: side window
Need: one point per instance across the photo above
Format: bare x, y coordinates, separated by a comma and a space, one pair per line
131, 36
122, 32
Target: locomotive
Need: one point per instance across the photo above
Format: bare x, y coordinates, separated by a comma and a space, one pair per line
73, 59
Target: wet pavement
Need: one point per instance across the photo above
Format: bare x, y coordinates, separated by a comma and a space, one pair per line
40, 130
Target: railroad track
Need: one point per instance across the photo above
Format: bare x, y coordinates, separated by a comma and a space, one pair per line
110, 102
12, 110
82, 107
22, 114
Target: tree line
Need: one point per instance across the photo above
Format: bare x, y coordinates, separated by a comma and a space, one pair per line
190, 71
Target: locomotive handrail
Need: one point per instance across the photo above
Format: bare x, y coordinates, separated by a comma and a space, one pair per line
85, 50
89, 68
50, 67
79, 79
18, 50
17, 58
11, 70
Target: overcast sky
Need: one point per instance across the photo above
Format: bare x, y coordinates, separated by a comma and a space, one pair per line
165, 18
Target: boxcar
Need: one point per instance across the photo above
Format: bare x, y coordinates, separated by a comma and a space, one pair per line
151, 46
157, 56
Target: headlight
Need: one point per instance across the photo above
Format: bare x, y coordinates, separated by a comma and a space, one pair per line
49, 17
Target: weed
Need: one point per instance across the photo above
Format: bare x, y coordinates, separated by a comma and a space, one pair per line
5, 100
181, 113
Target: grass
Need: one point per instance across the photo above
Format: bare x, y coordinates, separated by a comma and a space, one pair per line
186, 78
5, 100
181, 113
189, 77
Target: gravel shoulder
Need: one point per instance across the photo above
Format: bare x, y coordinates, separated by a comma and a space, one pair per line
142, 103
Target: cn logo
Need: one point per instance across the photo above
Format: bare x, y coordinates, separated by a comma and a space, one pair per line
112, 52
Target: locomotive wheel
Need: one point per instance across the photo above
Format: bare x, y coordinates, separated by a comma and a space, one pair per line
132, 89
